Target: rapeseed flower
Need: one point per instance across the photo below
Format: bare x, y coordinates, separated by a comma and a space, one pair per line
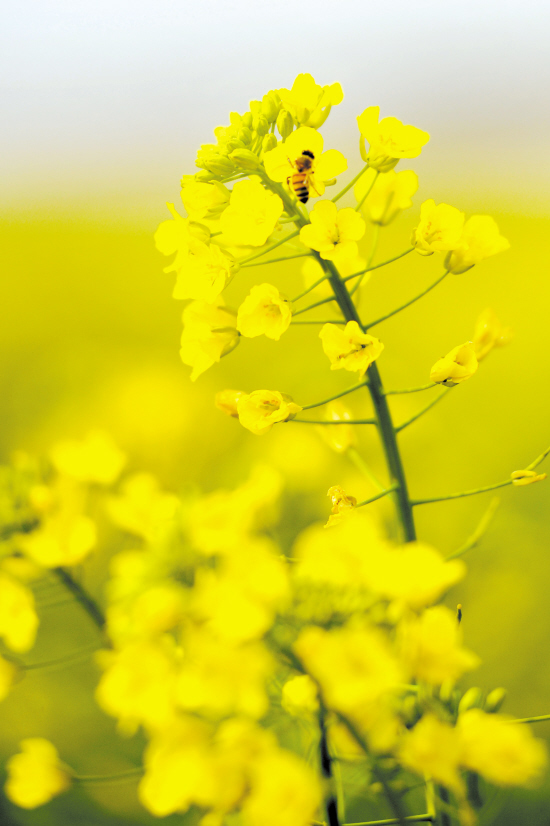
18, 618
350, 348
432, 748
285, 791
308, 103
489, 333
390, 195
35, 774
209, 332
480, 239
179, 236
342, 505
204, 200
204, 272
142, 508
94, 459
8, 673
389, 140
440, 228
280, 162
527, 477
333, 232
260, 410
342, 437
252, 214
457, 366
226, 401
264, 312
300, 696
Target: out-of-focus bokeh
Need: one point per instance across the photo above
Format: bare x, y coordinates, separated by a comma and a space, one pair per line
104, 107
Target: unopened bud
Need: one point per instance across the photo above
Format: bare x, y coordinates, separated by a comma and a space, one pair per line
234, 143
202, 177
472, 699
199, 231
269, 142
219, 165
245, 158
245, 135
260, 124
226, 401
247, 120
285, 124
256, 107
495, 699
271, 103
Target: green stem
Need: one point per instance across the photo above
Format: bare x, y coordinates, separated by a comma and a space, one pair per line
363, 468
333, 422
331, 804
377, 266
312, 306
407, 303
277, 260
377, 496
129, 774
541, 719
336, 396
315, 321
368, 192
349, 186
309, 289
421, 412
82, 597
479, 532
461, 495
410, 389
68, 659
268, 249
427, 818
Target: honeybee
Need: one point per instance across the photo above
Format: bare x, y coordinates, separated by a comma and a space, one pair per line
300, 181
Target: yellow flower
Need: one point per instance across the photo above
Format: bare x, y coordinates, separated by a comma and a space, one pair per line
431, 647
414, 574
350, 348
440, 228
340, 437
142, 508
300, 696
390, 195
94, 459
527, 477
390, 140
204, 273
8, 673
489, 333
457, 366
342, 504
264, 312
226, 401
433, 748
284, 791
309, 103
204, 200
333, 232
209, 332
280, 162
65, 538
35, 774
480, 239
18, 618
251, 215
260, 410
179, 236
504, 753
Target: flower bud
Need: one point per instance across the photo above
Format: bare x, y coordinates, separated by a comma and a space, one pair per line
495, 699
271, 103
234, 143
247, 119
202, 177
219, 165
285, 124
471, 699
244, 134
226, 401
255, 107
245, 158
269, 142
260, 124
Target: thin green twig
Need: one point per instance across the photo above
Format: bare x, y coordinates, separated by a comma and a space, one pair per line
82, 596
407, 303
368, 192
377, 266
480, 531
309, 289
349, 186
336, 396
363, 468
268, 249
424, 410
334, 422
378, 496
277, 260
410, 389
317, 304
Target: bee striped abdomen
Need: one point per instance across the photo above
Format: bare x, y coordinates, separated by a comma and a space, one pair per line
299, 184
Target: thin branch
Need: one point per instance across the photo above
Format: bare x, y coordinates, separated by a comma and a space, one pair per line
118, 777
309, 289
377, 266
424, 410
410, 389
326, 321
317, 304
368, 192
336, 396
543, 718
82, 596
479, 532
427, 818
272, 247
378, 496
276, 260
363, 468
334, 422
349, 186
408, 303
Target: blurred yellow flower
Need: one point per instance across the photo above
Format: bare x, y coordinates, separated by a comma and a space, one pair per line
226, 401
341, 437
264, 312
251, 215
489, 333
440, 228
432, 748
280, 162
480, 239
333, 232
261, 409
309, 103
350, 348
431, 647
389, 140
504, 753
204, 273
64, 538
179, 236
342, 505
527, 477
204, 200
35, 774
390, 195
94, 459
457, 366
300, 696
18, 618
209, 332
285, 791
142, 508
8, 673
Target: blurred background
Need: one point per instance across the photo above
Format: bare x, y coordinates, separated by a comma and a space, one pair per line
105, 105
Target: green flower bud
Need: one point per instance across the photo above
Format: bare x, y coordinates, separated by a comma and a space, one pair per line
260, 124
199, 231
219, 165
472, 699
247, 120
202, 177
256, 107
269, 142
271, 103
495, 700
285, 124
234, 143
244, 134
245, 158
